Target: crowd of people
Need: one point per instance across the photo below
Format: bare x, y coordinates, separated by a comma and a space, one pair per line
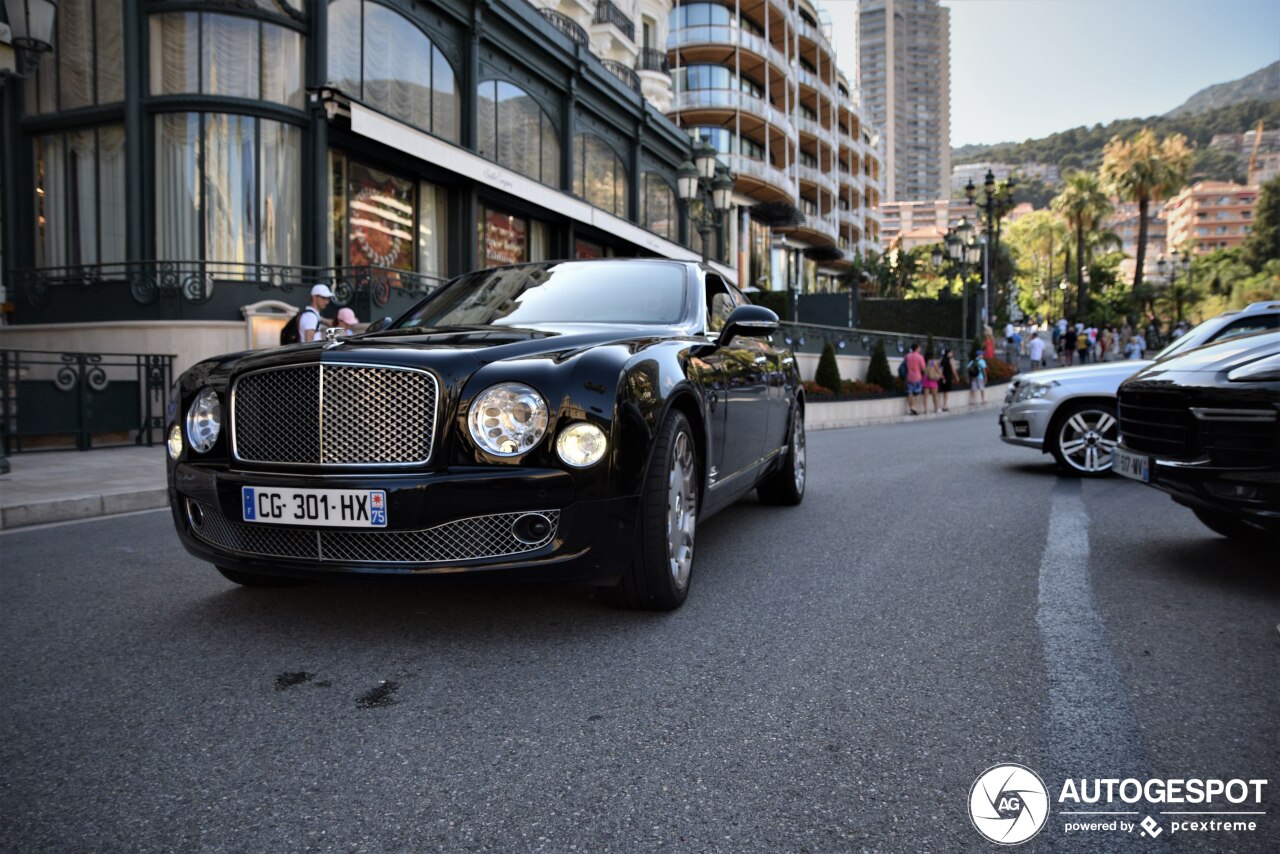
1074, 343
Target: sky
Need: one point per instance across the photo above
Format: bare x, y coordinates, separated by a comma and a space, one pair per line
1023, 69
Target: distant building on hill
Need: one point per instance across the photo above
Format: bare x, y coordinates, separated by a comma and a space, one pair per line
1210, 215
963, 173
899, 218
1124, 222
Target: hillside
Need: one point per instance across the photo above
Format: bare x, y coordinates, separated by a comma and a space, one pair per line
1261, 85
1081, 148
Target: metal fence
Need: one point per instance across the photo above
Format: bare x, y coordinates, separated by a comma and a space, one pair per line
108, 398
811, 338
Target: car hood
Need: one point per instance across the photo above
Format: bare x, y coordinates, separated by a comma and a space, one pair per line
1102, 373
1223, 356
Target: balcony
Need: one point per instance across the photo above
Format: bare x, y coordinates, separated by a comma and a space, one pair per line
813, 34
815, 128
764, 173
720, 36
823, 225
628, 77
733, 100
813, 81
816, 176
566, 25
653, 60
607, 13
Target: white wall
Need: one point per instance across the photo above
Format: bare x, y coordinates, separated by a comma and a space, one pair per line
189, 341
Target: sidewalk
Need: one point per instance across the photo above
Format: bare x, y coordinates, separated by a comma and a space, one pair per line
58, 486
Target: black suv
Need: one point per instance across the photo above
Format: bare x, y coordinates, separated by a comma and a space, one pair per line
1204, 426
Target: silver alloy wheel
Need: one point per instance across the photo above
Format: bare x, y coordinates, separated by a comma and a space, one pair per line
1087, 440
682, 510
797, 451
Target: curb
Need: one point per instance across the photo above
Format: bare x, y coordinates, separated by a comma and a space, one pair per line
81, 507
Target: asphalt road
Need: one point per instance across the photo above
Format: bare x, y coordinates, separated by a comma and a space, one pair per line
840, 676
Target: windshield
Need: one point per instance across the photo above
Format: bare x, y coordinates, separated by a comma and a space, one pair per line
639, 292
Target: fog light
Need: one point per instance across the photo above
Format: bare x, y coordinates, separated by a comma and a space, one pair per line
581, 444
1237, 491
531, 528
175, 441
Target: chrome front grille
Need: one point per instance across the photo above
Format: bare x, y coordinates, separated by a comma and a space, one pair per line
475, 538
340, 415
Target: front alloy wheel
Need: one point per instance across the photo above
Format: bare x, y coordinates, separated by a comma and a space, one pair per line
1084, 437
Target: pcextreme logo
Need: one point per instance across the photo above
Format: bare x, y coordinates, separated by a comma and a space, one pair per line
1008, 804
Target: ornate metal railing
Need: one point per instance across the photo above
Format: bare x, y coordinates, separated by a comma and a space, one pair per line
607, 13
206, 290
45, 393
566, 25
628, 76
653, 60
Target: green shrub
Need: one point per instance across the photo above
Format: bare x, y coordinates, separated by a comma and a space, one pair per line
878, 372
828, 374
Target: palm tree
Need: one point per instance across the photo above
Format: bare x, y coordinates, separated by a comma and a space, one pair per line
1142, 169
1083, 204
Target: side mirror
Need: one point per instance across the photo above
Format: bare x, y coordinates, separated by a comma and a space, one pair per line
378, 325
749, 321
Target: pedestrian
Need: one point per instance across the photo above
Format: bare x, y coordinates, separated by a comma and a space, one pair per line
1136, 347
915, 377
1009, 351
1105, 343
1082, 344
346, 321
977, 369
932, 377
988, 343
1035, 351
1068, 341
309, 320
950, 376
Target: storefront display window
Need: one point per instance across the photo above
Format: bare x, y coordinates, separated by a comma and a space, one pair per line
503, 239
79, 203
386, 220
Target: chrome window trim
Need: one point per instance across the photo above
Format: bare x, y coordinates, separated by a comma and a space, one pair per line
435, 417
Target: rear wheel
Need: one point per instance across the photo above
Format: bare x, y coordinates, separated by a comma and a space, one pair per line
658, 577
1236, 529
1083, 437
257, 579
786, 486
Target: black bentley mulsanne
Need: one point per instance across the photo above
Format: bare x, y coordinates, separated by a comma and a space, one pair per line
558, 420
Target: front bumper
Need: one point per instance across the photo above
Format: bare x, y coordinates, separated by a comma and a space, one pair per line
1027, 423
438, 523
1247, 493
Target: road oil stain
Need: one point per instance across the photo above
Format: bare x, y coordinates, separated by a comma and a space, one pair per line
379, 697
292, 679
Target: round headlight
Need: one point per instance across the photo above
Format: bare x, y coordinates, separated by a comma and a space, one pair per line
175, 442
508, 419
581, 444
204, 420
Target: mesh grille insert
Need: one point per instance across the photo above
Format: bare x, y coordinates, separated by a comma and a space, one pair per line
335, 415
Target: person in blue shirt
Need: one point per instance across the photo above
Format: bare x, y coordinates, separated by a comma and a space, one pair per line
977, 369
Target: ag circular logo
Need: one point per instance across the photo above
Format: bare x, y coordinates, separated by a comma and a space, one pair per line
1008, 804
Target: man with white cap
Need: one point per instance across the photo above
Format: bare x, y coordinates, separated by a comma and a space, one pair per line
309, 319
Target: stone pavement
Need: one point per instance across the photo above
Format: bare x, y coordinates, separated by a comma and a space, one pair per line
59, 486
55, 486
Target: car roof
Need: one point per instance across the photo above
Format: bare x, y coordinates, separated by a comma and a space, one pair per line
1261, 307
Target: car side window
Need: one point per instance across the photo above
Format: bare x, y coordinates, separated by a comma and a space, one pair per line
1248, 326
721, 301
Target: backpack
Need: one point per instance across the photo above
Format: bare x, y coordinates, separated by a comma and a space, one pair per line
902, 369
973, 368
290, 333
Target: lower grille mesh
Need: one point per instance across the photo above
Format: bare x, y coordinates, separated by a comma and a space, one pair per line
464, 539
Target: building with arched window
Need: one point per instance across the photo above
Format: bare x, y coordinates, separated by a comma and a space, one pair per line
171, 162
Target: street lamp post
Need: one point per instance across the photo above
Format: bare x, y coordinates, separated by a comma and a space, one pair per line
31, 22
964, 250
1171, 269
996, 202
705, 178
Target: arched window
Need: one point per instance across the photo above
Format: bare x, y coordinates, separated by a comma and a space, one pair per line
86, 65
599, 175
393, 67
515, 132
659, 212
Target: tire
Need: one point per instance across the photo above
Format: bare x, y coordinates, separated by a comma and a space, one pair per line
1233, 528
1082, 437
785, 487
657, 579
256, 579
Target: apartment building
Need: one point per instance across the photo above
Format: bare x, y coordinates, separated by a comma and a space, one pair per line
758, 81
904, 57
899, 219
1210, 215
1124, 222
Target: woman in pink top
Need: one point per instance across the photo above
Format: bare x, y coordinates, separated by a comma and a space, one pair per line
915, 377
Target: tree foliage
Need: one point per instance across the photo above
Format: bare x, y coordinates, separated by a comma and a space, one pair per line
1141, 169
1084, 205
1263, 243
828, 373
878, 372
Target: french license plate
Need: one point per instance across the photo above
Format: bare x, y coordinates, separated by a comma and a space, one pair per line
1129, 464
340, 508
